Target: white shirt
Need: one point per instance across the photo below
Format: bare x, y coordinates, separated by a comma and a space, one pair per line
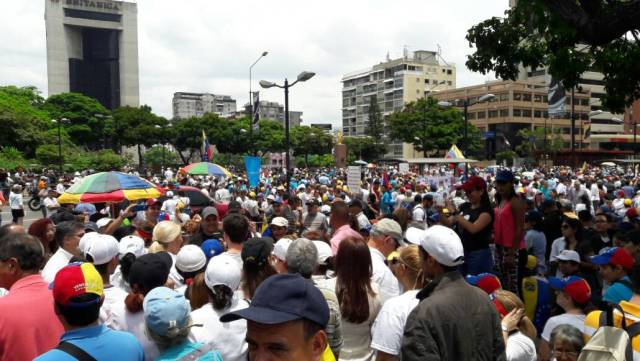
124, 320
113, 299
15, 200
60, 188
59, 259
363, 221
520, 348
50, 204
228, 338
388, 328
169, 206
576, 321
383, 276
173, 273
418, 217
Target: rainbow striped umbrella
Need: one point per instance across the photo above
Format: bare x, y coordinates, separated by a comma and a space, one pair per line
109, 187
206, 168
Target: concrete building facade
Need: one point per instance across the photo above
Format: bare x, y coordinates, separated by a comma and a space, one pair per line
392, 84
187, 105
92, 49
275, 111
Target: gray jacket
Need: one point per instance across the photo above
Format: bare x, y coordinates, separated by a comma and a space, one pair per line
454, 321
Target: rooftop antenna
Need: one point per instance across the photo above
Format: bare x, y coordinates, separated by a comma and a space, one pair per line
439, 55
388, 57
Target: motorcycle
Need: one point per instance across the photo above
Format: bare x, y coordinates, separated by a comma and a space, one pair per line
35, 203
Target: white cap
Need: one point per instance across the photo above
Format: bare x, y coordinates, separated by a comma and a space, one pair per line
102, 248
324, 251
325, 208
280, 222
169, 194
86, 239
190, 258
444, 245
103, 222
415, 235
281, 247
271, 197
131, 244
569, 255
223, 270
580, 207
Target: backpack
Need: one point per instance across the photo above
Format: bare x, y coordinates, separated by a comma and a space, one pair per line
611, 343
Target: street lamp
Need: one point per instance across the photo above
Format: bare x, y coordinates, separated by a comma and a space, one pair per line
62, 120
466, 103
264, 53
304, 76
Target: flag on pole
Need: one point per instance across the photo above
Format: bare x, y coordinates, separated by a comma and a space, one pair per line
255, 117
207, 151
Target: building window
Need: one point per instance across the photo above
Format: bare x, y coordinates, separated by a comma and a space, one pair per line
503, 96
443, 71
517, 113
537, 113
481, 115
526, 97
493, 114
426, 81
584, 102
449, 72
504, 112
449, 82
471, 115
517, 96
537, 98
526, 113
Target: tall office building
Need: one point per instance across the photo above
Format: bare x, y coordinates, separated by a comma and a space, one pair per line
275, 111
392, 84
92, 49
187, 105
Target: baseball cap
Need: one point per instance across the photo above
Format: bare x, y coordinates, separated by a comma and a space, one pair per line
166, 312
169, 194
103, 222
86, 239
277, 200
91, 227
223, 270
131, 244
614, 256
256, 251
414, 235
209, 211
152, 201
283, 298
281, 247
102, 248
474, 182
389, 227
280, 222
576, 287
190, 258
504, 176
211, 248
77, 279
271, 197
569, 255
485, 281
444, 245
151, 270
324, 252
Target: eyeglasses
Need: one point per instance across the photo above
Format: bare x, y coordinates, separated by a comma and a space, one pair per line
558, 353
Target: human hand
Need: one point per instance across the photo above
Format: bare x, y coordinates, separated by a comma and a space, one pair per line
512, 319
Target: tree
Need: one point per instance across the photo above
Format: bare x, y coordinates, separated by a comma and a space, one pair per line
22, 122
570, 37
270, 137
506, 156
430, 127
534, 141
310, 140
365, 148
375, 126
154, 156
85, 114
137, 127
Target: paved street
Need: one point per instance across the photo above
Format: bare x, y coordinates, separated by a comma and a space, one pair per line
29, 215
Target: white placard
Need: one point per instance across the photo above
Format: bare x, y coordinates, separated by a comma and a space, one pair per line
353, 178
403, 168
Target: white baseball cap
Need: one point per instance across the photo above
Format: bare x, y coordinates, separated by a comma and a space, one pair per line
131, 244
415, 235
223, 270
103, 222
190, 258
281, 247
444, 245
324, 251
102, 248
271, 197
169, 194
86, 239
280, 222
569, 255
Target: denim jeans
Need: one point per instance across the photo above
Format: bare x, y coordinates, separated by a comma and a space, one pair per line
476, 262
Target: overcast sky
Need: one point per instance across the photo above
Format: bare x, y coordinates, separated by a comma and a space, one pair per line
208, 45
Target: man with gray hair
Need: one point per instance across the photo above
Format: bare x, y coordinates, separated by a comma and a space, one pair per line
302, 258
384, 238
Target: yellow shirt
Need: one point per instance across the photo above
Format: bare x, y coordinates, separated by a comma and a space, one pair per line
632, 315
327, 355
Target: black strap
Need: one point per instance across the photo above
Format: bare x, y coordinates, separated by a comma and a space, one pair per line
75, 351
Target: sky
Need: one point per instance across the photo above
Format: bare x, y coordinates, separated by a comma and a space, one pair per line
208, 45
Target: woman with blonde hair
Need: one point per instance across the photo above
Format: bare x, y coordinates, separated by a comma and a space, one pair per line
518, 331
387, 330
167, 237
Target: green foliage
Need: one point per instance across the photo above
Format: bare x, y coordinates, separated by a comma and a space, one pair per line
310, 140
84, 127
570, 37
315, 161
533, 141
365, 148
270, 137
375, 125
430, 127
11, 158
153, 157
135, 126
507, 156
47, 154
21, 122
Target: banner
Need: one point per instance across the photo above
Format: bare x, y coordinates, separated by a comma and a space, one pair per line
255, 117
252, 165
206, 150
557, 98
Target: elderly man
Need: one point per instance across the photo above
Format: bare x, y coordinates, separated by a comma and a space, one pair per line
315, 224
28, 324
67, 236
385, 237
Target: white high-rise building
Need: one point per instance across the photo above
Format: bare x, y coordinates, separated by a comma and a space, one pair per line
187, 105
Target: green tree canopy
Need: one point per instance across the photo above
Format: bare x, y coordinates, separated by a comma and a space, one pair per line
365, 148
430, 127
86, 117
375, 126
310, 140
570, 37
22, 121
533, 141
154, 156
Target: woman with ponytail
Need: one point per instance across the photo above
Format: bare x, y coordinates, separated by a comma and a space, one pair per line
222, 279
518, 331
256, 264
387, 330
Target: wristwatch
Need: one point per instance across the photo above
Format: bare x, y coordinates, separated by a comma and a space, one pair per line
504, 328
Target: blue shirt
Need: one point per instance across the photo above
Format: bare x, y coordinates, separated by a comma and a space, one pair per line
100, 342
179, 351
618, 292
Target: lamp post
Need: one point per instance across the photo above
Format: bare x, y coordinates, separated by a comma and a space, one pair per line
466, 103
62, 120
304, 76
264, 53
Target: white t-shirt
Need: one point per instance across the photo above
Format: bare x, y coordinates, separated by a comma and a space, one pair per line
382, 275
228, 338
388, 328
236, 257
520, 348
50, 204
113, 299
59, 259
169, 206
576, 321
15, 200
124, 320
173, 273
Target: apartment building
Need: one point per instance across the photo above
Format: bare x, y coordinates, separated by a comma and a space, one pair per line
187, 105
275, 111
392, 84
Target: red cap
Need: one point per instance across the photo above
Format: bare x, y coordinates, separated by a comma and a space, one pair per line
152, 201
615, 256
474, 182
632, 213
74, 280
577, 288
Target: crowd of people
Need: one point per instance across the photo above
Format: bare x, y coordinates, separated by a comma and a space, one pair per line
505, 264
